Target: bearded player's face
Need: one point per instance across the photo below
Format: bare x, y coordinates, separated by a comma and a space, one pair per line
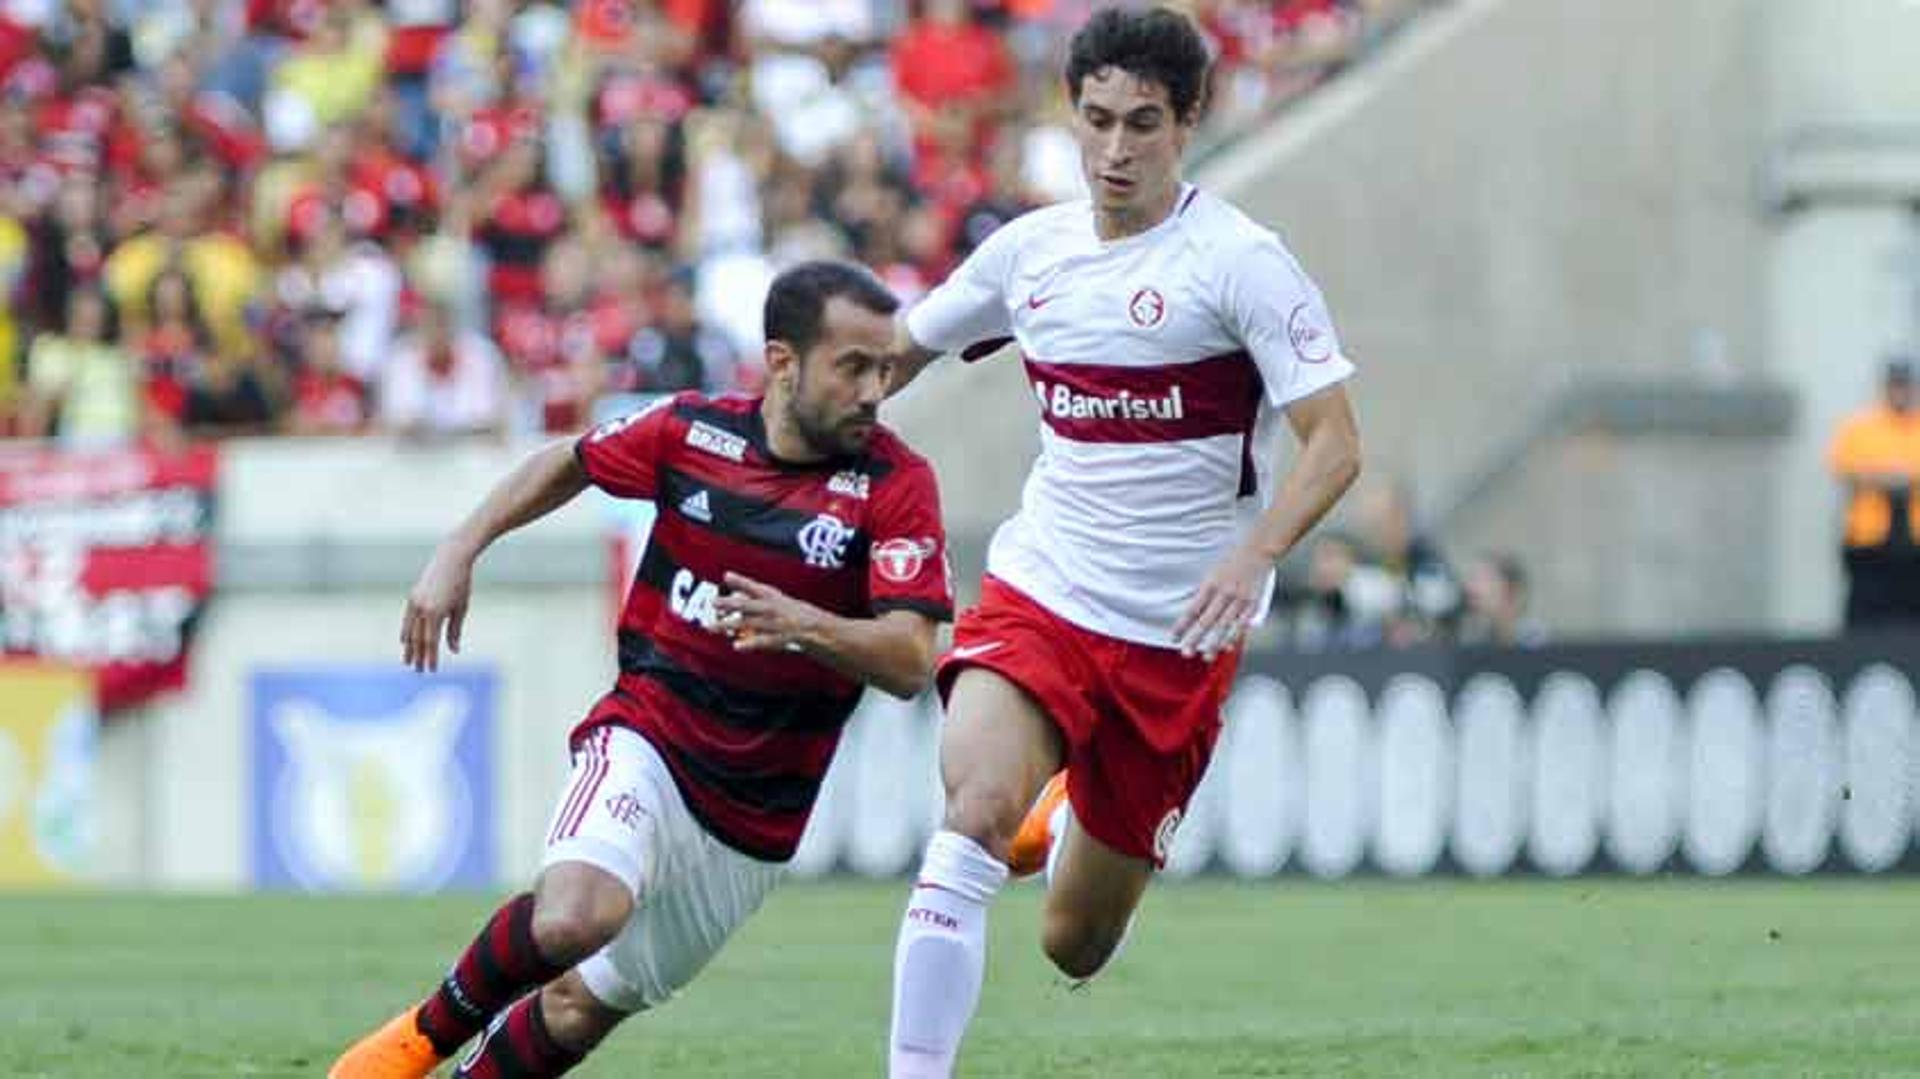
840, 382
1130, 141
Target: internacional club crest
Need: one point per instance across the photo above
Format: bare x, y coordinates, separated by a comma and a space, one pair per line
1147, 308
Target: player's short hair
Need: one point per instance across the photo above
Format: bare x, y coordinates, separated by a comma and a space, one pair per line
1157, 45
797, 301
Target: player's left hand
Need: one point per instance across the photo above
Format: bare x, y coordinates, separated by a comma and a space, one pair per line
1222, 609
761, 618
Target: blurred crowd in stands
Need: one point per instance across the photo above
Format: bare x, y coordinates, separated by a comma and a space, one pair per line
1380, 582
455, 217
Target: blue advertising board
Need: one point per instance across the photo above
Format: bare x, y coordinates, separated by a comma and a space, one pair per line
373, 778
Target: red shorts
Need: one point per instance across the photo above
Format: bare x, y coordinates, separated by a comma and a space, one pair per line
1139, 722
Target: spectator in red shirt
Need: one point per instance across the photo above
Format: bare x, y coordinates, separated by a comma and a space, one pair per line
138, 195
326, 400
408, 190
173, 344
950, 68
522, 217
644, 181
218, 121
548, 343
511, 116
337, 188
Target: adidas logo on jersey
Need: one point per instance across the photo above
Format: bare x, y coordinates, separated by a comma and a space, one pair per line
697, 507
1063, 403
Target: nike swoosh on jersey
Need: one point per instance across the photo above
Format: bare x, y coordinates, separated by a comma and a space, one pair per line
1035, 303
973, 650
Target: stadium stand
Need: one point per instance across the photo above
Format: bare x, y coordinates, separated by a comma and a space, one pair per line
334, 217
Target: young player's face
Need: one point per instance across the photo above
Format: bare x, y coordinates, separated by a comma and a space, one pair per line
1130, 142
840, 382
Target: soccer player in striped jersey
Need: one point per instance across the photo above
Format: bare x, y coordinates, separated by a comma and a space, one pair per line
1168, 340
798, 553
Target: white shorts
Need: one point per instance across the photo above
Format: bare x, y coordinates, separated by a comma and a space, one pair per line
621, 812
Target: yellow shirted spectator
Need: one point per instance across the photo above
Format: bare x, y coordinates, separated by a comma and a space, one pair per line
82, 387
1876, 454
225, 274
13, 264
335, 72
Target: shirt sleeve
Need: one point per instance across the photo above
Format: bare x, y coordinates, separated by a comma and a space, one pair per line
622, 455
970, 306
1279, 315
907, 564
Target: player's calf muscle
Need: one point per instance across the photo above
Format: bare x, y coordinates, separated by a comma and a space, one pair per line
1076, 946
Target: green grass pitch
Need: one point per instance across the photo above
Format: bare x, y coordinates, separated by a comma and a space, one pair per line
1577, 978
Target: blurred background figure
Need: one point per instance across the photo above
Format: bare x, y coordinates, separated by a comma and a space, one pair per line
1875, 455
1494, 587
444, 382
1425, 596
83, 388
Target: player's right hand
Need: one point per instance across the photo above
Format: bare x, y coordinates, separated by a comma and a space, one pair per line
438, 598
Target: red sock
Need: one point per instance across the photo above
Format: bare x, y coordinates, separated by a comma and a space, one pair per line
518, 1046
499, 966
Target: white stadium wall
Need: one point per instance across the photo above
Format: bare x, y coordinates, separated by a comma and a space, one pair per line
1841, 174
318, 543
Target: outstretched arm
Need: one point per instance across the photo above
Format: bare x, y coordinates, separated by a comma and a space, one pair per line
908, 357
1327, 464
892, 650
539, 485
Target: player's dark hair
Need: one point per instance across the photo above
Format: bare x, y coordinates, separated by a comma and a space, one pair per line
797, 302
1158, 45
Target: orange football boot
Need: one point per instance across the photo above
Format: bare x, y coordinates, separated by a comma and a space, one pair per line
396, 1051
1027, 854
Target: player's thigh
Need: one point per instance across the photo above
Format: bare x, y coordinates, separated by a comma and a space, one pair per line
704, 897
603, 842
1094, 891
997, 748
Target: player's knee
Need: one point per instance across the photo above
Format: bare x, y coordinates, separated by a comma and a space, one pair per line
569, 928
1079, 948
985, 813
574, 1016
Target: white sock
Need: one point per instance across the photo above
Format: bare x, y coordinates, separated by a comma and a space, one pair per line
942, 955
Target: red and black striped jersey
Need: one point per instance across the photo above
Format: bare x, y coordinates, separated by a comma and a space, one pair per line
856, 535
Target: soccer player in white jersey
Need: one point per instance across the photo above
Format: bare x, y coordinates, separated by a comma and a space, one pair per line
1167, 338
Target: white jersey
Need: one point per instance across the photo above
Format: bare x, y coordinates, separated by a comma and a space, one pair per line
1160, 363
